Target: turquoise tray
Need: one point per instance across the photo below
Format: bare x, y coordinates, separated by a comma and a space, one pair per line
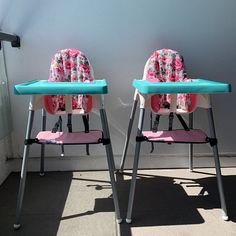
44, 87
196, 86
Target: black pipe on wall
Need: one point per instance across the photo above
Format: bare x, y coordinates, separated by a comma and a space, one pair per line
14, 39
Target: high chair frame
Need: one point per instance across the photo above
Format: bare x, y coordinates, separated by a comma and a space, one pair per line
143, 92
37, 90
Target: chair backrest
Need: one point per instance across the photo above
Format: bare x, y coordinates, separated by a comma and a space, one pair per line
167, 65
69, 65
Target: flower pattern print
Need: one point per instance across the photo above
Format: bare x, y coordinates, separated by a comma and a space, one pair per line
71, 65
167, 65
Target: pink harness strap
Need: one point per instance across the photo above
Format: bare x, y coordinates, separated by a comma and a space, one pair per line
93, 137
176, 136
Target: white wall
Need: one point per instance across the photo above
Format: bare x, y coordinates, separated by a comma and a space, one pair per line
5, 123
118, 37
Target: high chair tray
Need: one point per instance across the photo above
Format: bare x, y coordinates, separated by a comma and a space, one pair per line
195, 86
44, 87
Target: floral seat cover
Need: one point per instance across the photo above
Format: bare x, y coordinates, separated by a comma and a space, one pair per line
69, 65
167, 65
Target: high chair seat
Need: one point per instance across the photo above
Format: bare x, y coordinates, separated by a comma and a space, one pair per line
176, 136
167, 91
37, 89
66, 138
70, 90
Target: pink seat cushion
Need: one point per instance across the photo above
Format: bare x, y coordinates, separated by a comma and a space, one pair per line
48, 137
176, 136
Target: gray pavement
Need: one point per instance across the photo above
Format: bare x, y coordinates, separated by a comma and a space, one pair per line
167, 202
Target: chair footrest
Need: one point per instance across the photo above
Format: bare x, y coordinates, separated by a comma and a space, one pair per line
66, 138
176, 136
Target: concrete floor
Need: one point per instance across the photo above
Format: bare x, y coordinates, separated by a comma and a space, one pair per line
167, 202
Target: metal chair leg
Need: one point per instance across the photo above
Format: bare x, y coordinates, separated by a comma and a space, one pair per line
41, 173
135, 167
191, 145
23, 171
217, 165
110, 161
42, 145
62, 146
128, 135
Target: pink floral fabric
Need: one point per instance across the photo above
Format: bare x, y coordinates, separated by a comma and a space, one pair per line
69, 65
167, 65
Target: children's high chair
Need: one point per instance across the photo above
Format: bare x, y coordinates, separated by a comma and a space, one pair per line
72, 90
166, 90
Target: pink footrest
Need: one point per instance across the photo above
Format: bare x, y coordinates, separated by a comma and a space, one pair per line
176, 136
47, 137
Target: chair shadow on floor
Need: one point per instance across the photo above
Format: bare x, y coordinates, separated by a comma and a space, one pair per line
159, 201
162, 201
45, 200
43, 204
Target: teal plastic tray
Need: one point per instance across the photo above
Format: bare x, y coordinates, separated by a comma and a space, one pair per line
44, 87
196, 86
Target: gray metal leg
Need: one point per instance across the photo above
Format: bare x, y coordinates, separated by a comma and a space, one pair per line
62, 146
217, 165
135, 167
23, 171
42, 145
110, 161
128, 135
191, 145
